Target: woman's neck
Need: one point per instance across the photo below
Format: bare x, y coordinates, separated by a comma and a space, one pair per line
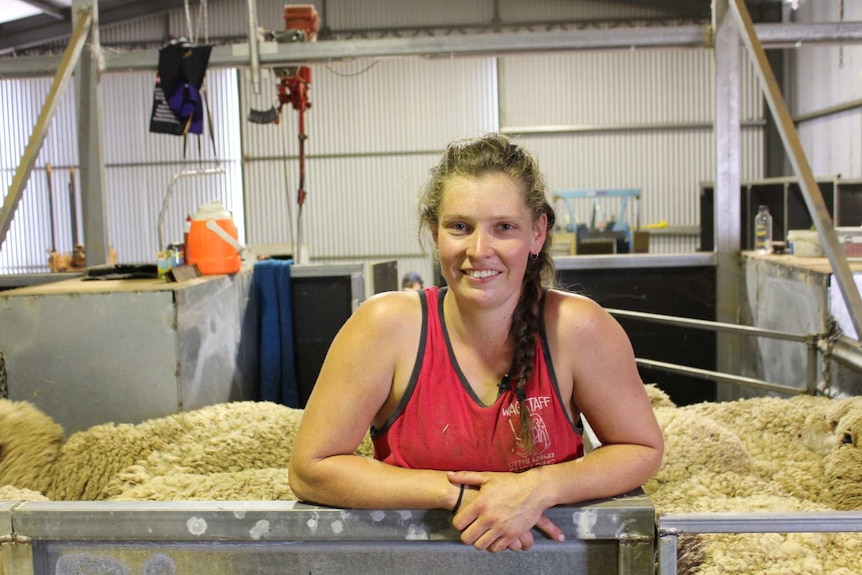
483, 329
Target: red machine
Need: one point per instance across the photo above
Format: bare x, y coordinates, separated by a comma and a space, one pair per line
293, 87
302, 17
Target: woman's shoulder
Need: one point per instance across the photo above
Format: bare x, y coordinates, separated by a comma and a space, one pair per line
560, 301
390, 310
572, 311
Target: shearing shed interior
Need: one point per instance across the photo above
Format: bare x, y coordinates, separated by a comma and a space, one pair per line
199, 194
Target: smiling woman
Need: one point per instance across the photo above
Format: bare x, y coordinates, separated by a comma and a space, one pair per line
475, 404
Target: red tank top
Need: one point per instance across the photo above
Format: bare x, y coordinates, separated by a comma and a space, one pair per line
441, 424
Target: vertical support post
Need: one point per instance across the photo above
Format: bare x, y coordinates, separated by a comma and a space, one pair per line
91, 158
17, 558
667, 544
727, 189
253, 53
811, 373
636, 555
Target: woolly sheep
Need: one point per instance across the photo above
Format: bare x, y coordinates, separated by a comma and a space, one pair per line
111, 461
30, 443
785, 474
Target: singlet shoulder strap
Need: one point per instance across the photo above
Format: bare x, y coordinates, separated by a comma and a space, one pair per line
417, 368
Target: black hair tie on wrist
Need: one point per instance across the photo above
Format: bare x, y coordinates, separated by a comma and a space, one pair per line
460, 497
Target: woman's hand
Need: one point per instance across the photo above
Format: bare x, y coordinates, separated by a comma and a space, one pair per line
499, 511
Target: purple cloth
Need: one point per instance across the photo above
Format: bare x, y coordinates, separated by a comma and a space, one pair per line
186, 102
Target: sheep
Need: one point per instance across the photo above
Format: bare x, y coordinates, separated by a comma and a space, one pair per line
30, 443
843, 466
111, 461
769, 457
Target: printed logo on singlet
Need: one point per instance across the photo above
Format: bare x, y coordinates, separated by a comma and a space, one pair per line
541, 436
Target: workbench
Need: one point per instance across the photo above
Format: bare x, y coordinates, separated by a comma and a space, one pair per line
88, 352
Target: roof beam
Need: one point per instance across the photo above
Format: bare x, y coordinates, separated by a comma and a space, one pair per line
46, 8
272, 54
59, 31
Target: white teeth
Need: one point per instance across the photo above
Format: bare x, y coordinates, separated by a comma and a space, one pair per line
481, 273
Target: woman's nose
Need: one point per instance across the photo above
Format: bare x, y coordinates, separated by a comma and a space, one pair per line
481, 243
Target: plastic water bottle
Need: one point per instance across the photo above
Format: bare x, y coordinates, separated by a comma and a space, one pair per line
763, 231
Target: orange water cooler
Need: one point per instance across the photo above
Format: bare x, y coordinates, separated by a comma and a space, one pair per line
213, 243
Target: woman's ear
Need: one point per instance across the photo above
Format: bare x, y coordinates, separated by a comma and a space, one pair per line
540, 233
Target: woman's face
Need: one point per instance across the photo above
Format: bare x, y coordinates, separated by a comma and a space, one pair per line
485, 235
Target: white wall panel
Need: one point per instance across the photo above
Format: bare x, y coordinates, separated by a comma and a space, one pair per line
369, 123
669, 95
617, 88
29, 237
153, 29
833, 144
823, 77
394, 13
517, 10
390, 106
139, 168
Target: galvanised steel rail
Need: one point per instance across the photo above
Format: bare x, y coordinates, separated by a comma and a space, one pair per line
811, 341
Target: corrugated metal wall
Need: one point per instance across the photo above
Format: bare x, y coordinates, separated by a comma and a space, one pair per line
377, 126
374, 130
825, 77
629, 119
139, 168
29, 238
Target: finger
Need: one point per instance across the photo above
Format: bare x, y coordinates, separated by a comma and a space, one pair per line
482, 537
550, 528
474, 478
517, 545
527, 541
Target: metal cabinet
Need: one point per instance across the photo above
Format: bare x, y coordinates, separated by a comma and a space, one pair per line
90, 352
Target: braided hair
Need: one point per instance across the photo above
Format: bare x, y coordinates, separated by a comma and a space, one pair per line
496, 153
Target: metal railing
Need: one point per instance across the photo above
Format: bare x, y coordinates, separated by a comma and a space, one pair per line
813, 343
672, 525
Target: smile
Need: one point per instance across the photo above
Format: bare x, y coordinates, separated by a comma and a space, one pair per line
480, 273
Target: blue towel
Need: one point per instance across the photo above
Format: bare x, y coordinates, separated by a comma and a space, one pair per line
275, 318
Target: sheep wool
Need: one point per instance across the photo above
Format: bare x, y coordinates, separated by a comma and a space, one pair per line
231, 451
771, 454
246, 485
12, 493
758, 454
30, 443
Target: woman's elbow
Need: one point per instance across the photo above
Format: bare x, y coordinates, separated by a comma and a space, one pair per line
654, 455
297, 478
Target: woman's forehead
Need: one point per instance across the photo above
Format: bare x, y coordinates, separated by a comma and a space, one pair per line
487, 189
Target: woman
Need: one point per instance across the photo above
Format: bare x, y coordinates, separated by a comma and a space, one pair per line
473, 391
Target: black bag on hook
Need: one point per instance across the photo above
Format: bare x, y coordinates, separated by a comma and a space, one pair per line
178, 108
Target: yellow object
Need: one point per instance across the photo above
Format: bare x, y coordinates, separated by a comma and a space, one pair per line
662, 224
